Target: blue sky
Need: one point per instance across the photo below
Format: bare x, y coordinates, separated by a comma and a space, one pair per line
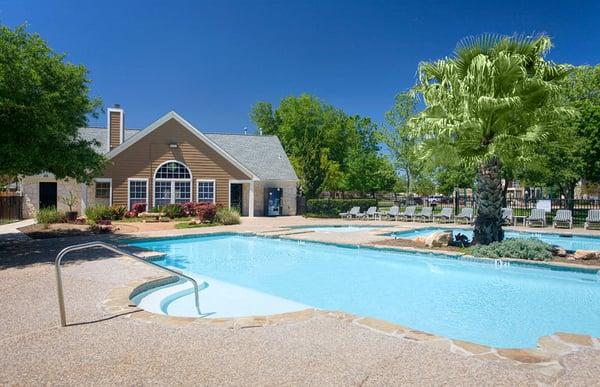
211, 61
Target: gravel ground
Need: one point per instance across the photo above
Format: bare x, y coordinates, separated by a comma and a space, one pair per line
100, 349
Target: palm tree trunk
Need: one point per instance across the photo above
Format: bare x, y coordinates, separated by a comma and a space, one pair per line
488, 197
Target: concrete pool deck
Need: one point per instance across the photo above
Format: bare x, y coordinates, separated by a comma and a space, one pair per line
106, 346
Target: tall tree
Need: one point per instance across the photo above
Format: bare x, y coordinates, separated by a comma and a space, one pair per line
582, 91
366, 170
315, 135
399, 138
492, 96
43, 102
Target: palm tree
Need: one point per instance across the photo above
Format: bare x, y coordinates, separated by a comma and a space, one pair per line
490, 101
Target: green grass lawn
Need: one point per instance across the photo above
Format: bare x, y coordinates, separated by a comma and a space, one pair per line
184, 225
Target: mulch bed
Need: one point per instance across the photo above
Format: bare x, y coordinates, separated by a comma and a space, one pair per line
40, 231
416, 245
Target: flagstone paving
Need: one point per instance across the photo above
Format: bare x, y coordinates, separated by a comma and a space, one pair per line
110, 341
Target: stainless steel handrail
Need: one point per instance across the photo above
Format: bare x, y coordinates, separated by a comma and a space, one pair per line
63, 252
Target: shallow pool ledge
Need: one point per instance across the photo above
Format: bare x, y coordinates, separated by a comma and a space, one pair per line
545, 358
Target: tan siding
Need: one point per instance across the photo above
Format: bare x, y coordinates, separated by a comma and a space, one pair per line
141, 159
115, 129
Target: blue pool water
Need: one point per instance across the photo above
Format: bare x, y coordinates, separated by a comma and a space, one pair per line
568, 242
461, 299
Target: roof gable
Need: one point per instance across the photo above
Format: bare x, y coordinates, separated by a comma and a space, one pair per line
174, 116
263, 155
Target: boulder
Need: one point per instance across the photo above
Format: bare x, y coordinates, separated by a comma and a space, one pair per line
585, 255
439, 239
420, 239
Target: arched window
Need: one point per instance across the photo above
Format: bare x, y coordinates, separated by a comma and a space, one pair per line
172, 183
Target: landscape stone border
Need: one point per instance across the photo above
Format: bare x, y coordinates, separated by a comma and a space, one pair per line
545, 358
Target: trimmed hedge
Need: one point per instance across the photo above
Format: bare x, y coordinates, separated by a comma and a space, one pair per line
331, 208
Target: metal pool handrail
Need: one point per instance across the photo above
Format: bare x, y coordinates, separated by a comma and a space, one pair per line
82, 246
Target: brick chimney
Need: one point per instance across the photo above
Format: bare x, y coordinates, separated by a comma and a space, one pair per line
116, 130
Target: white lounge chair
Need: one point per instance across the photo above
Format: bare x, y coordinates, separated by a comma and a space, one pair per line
393, 212
408, 213
445, 216
507, 216
537, 217
465, 216
425, 215
563, 218
593, 220
372, 213
348, 215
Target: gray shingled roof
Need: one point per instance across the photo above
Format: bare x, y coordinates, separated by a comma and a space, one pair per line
263, 155
100, 135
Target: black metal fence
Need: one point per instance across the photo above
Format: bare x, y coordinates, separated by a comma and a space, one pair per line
521, 207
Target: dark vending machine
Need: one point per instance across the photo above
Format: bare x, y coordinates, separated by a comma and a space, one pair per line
273, 201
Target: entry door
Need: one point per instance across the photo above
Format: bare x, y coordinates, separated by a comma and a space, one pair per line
47, 195
236, 199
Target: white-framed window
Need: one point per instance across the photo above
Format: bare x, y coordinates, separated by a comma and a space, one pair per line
137, 192
162, 193
183, 191
172, 183
103, 190
205, 191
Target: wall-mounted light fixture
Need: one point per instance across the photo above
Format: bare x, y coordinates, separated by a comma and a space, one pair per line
173, 145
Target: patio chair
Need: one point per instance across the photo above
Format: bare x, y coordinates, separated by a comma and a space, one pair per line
445, 216
465, 216
425, 215
348, 215
593, 220
507, 216
371, 213
408, 213
394, 212
537, 217
563, 218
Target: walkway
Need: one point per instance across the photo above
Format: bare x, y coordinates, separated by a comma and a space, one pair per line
9, 232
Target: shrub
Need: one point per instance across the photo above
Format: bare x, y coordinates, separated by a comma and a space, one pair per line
205, 212
98, 212
173, 210
138, 208
332, 207
118, 211
227, 216
530, 248
49, 216
189, 209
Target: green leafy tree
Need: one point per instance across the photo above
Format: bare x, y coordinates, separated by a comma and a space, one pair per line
366, 170
449, 178
483, 103
582, 91
43, 102
316, 136
571, 152
399, 138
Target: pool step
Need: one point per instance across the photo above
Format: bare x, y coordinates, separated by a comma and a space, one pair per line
165, 296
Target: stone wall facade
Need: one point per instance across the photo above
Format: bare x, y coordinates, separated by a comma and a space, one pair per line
30, 188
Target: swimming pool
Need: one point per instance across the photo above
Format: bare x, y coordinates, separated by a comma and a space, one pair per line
461, 299
567, 242
336, 229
